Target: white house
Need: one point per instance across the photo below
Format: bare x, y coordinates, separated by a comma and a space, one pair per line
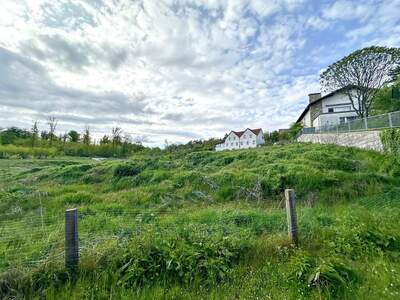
327, 110
249, 138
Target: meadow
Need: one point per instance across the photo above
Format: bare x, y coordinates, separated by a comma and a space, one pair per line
204, 225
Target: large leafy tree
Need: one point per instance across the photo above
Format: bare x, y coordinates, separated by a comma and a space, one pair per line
73, 136
361, 74
10, 135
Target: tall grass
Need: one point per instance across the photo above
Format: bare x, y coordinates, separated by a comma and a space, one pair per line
12, 151
205, 225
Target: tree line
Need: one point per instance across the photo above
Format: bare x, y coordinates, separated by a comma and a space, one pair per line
117, 144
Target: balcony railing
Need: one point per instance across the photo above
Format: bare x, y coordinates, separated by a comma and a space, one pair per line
389, 120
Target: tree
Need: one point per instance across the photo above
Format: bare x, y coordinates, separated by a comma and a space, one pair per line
52, 122
86, 136
105, 140
116, 136
73, 136
44, 135
395, 74
64, 138
12, 134
387, 99
361, 74
34, 134
294, 129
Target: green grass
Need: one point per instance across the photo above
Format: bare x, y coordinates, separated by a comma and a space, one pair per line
204, 225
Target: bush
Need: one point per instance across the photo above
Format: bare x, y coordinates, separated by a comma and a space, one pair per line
127, 170
391, 140
182, 255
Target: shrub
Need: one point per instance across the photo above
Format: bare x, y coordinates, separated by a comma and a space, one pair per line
127, 170
182, 255
391, 140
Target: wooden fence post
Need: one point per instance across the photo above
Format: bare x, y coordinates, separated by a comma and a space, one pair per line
71, 239
290, 197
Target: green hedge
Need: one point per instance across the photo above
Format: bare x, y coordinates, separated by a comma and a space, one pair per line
391, 140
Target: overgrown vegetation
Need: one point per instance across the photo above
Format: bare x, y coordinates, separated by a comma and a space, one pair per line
387, 99
391, 140
204, 225
17, 142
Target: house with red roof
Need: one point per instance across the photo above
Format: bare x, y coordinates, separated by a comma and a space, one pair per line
249, 138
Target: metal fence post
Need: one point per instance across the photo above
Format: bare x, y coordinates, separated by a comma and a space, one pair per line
290, 197
366, 123
348, 124
390, 120
71, 239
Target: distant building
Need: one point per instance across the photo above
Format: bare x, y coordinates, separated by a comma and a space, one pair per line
327, 110
284, 130
249, 138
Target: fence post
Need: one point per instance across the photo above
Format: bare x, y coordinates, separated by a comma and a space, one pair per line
71, 239
348, 124
366, 123
390, 120
290, 197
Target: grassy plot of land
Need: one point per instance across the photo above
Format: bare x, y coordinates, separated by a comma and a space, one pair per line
204, 225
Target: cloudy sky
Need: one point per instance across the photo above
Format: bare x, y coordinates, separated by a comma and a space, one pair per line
176, 69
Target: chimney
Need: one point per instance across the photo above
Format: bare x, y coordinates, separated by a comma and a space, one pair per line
314, 97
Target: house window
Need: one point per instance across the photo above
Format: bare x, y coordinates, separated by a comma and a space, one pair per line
247, 142
339, 108
254, 141
236, 143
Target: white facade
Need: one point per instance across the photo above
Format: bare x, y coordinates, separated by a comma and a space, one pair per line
331, 109
307, 119
336, 109
249, 138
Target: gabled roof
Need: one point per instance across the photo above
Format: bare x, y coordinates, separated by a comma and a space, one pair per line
322, 98
240, 133
256, 131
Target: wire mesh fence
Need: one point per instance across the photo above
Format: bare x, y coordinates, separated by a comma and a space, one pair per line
389, 120
39, 238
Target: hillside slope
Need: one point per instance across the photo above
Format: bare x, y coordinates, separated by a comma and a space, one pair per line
204, 225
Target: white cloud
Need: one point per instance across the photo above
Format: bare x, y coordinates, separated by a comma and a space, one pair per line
347, 10
176, 69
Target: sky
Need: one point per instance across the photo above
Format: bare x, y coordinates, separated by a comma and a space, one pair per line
176, 70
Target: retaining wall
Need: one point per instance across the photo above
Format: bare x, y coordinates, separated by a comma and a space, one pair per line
362, 139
